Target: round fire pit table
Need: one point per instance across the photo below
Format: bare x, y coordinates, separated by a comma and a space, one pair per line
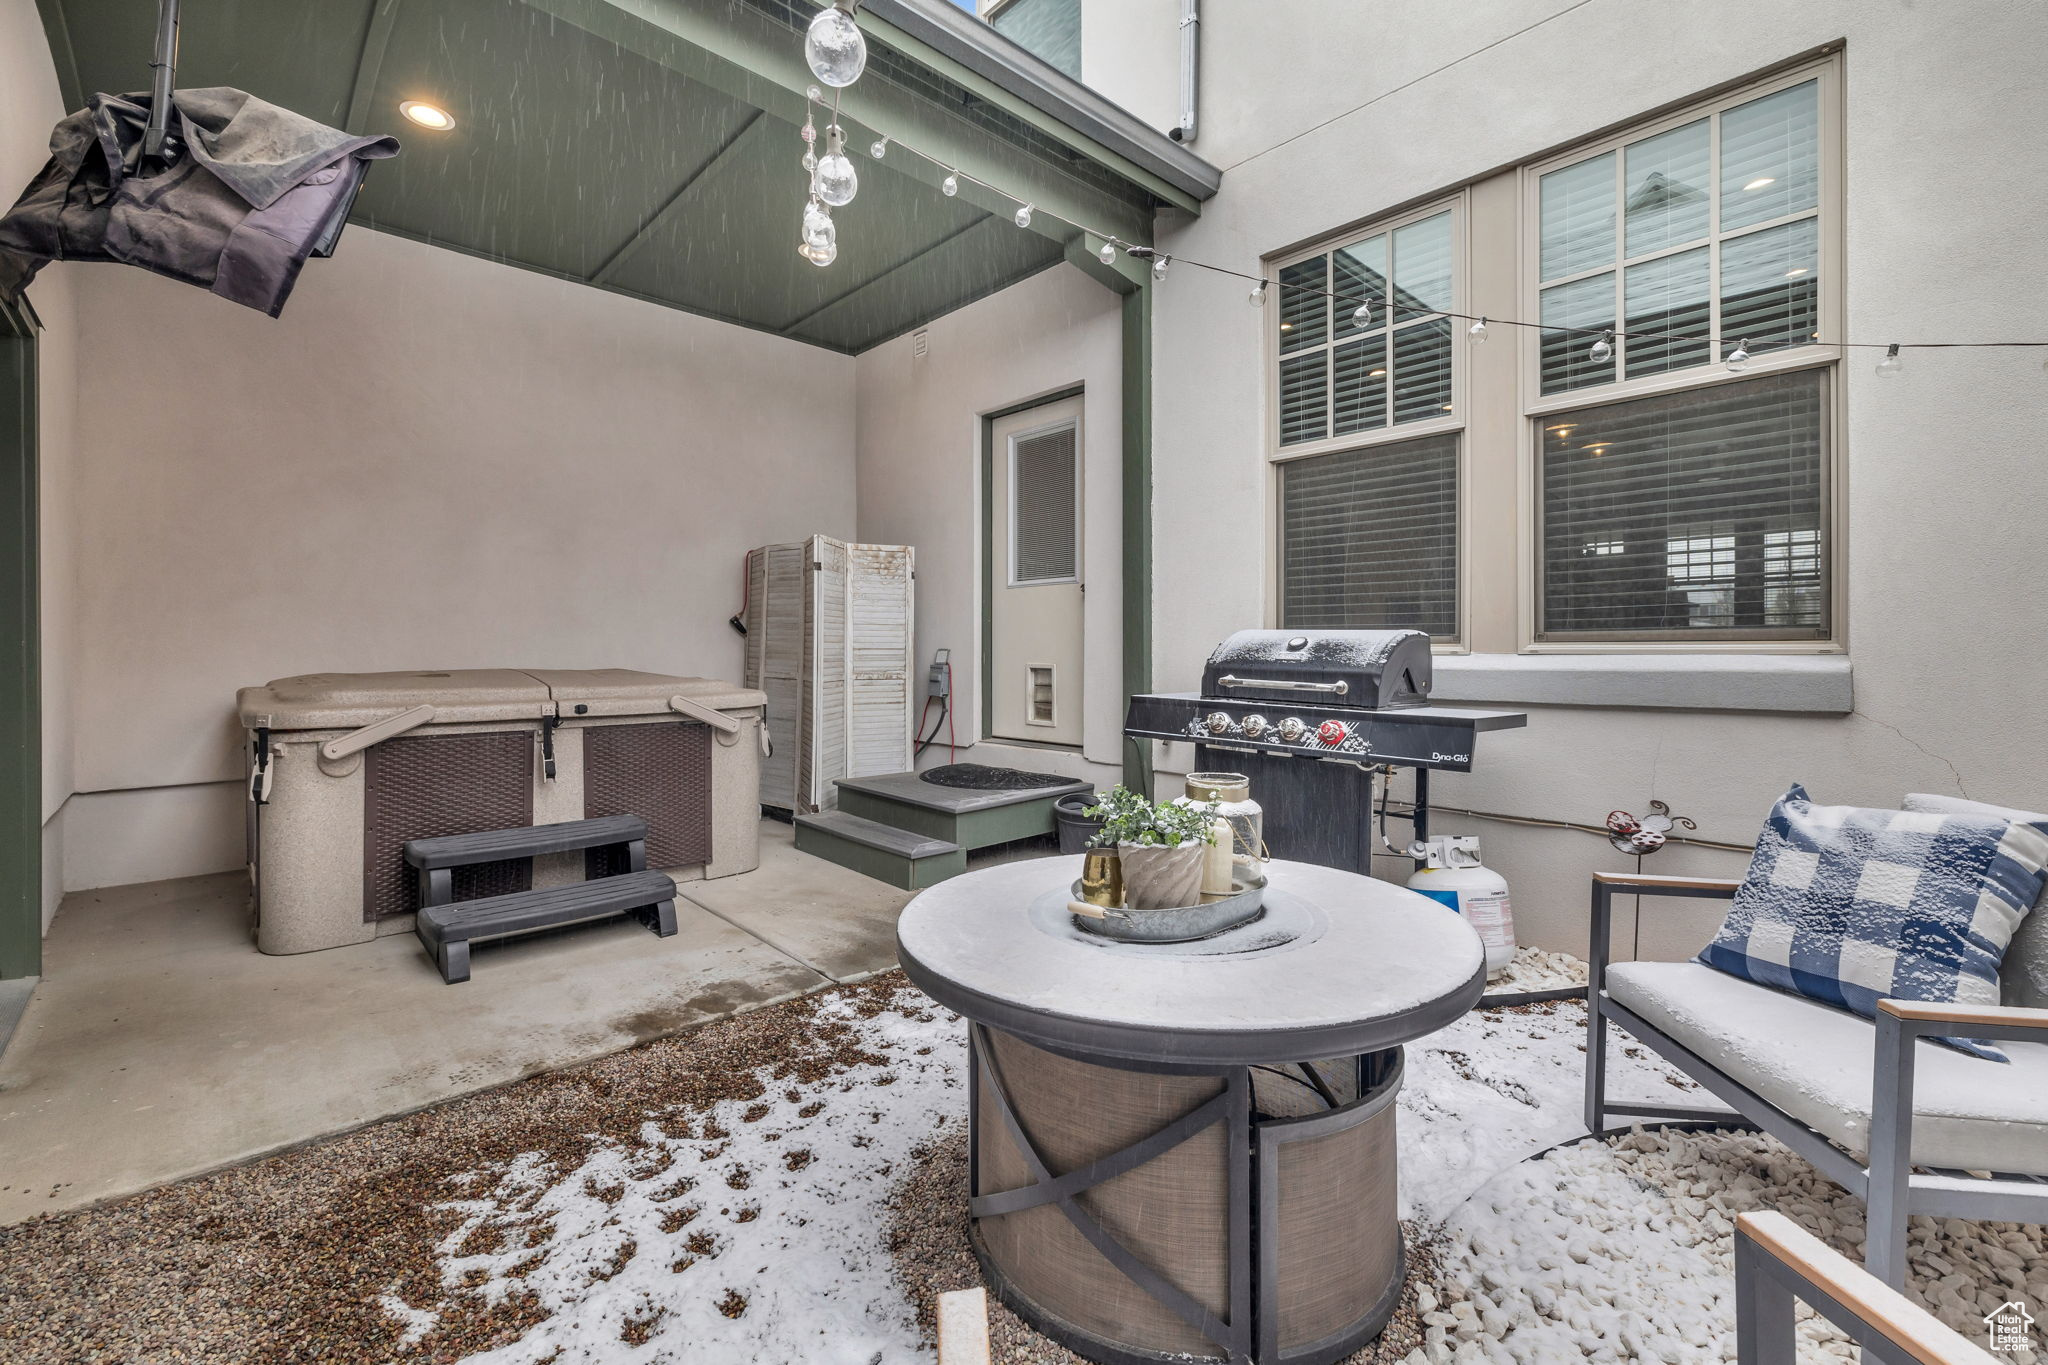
1186, 1151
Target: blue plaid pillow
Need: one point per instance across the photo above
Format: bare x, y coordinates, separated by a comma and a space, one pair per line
1848, 906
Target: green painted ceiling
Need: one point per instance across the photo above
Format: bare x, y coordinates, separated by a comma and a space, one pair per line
645, 146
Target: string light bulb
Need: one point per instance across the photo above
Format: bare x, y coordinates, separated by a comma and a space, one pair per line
1361, 316
1738, 359
1477, 331
950, 186
1891, 364
838, 182
1603, 349
820, 244
1159, 265
880, 149
1108, 253
1023, 215
1258, 295
834, 47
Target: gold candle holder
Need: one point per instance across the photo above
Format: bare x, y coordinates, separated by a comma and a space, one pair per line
1102, 877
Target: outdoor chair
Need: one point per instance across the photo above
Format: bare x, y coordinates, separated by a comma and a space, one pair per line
1937, 1133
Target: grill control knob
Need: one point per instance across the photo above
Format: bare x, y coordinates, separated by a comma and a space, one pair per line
1218, 722
1332, 732
1292, 729
1253, 726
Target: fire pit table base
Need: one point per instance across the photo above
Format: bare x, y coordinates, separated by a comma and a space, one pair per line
1140, 1214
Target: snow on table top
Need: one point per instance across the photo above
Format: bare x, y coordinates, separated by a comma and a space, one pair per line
1385, 951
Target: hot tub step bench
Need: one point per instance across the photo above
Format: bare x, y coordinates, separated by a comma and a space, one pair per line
447, 930
899, 857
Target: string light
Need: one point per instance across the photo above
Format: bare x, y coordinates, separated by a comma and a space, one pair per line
951, 186
834, 47
1258, 295
880, 148
1891, 364
1477, 331
1023, 215
1603, 349
1159, 264
1361, 316
1108, 253
836, 182
1738, 359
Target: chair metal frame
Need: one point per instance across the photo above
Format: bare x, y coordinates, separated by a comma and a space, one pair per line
1888, 1184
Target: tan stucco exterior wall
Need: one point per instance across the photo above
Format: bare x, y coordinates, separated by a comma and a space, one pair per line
1326, 114
429, 461
29, 105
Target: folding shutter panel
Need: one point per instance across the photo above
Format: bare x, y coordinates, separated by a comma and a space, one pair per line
827, 670
880, 583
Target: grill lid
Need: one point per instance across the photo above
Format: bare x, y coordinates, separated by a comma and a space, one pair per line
1372, 669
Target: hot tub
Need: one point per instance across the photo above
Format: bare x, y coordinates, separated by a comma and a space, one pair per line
345, 767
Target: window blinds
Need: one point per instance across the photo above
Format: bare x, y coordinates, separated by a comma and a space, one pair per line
1043, 507
1701, 511
1369, 538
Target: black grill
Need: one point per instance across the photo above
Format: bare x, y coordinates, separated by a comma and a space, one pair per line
1356, 701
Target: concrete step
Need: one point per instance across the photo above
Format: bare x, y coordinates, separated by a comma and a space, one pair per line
900, 857
970, 818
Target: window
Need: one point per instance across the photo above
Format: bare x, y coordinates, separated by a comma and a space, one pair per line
1699, 511
1366, 428
1045, 505
1048, 29
1678, 501
1368, 538
1649, 232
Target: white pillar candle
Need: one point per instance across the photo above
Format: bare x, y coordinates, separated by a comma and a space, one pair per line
1216, 860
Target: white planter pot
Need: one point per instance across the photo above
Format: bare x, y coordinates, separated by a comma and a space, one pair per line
1158, 878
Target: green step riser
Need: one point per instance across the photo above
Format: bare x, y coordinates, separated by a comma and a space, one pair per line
974, 829
912, 874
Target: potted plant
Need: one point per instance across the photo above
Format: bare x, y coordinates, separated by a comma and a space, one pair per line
1160, 846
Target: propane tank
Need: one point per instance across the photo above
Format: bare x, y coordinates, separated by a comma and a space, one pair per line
1455, 876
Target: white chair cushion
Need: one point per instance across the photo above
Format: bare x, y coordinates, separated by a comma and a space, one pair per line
1815, 1063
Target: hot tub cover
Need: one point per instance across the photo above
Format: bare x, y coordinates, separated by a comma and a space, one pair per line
336, 701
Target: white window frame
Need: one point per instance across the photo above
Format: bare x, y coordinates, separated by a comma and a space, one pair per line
1538, 407
1454, 421
1010, 472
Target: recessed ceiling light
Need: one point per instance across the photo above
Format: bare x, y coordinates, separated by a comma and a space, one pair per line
428, 115
1562, 428
1597, 450
1375, 374
1286, 326
1795, 272
1761, 181
1447, 407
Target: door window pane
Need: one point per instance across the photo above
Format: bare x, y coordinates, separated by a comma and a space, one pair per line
1044, 507
1696, 511
1304, 311
1587, 308
1670, 298
1304, 397
1770, 157
1578, 217
1361, 384
1369, 538
1668, 195
1770, 286
1422, 371
1422, 268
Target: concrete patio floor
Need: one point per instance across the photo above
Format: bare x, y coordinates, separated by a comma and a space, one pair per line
160, 1043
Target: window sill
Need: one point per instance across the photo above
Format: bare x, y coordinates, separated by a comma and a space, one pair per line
1806, 684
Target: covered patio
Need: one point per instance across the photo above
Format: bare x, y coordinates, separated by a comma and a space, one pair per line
629, 499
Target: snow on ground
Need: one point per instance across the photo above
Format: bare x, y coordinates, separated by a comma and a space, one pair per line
756, 1230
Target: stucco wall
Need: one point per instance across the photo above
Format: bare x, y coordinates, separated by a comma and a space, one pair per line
919, 475
1326, 114
430, 461
29, 105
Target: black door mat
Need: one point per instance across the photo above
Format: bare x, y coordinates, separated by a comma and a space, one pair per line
981, 777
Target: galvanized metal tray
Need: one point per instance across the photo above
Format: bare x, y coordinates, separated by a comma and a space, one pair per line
1175, 924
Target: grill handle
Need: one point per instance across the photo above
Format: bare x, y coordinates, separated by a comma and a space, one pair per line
1339, 687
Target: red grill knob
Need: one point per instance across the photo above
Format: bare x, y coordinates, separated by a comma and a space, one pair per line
1332, 732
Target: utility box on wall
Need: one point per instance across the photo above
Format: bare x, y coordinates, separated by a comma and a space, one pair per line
829, 639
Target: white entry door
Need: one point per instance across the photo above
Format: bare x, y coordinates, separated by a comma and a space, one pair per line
1035, 561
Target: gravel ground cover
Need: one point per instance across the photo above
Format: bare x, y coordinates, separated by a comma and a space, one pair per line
786, 1186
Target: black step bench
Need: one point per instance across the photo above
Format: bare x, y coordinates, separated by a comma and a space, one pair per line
446, 927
